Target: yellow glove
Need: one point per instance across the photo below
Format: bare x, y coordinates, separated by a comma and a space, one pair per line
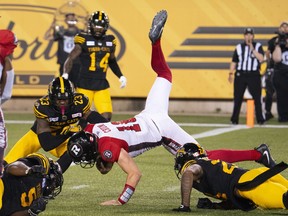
73, 128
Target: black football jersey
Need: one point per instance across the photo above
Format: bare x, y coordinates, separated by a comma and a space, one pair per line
19, 192
43, 109
219, 178
94, 60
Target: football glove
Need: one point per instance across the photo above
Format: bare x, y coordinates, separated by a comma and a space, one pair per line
65, 75
182, 208
123, 81
73, 128
36, 170
37, 206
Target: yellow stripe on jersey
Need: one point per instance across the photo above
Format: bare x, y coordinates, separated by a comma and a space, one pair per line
86, 108
114, 41
42, 159
39, 114
62, 87
79, 39
1, 192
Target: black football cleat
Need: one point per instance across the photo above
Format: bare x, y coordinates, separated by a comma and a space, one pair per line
266, 158
157, 25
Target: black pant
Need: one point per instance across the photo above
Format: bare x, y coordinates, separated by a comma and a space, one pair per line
280, 81
242, 80
269, 89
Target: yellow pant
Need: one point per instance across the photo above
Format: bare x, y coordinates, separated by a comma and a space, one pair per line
102, 99
267, 195
28, 144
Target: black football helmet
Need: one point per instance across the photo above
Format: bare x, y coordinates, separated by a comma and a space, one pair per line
53, 178
53, 181
61, 89
83, 149
186, 156
98, 19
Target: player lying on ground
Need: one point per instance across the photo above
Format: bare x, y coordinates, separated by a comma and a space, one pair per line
27, 185
239, 188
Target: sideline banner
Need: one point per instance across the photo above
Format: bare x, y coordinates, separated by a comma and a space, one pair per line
198, 42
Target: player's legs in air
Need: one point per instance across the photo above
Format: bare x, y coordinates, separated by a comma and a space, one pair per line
157, 107
158, 98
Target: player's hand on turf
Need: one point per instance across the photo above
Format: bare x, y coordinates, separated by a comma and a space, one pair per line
111, 203
37, 206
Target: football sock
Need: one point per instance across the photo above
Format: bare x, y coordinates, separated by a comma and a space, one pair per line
232, 156
158, 62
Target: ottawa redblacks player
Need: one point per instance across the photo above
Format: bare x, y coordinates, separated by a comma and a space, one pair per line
8, 42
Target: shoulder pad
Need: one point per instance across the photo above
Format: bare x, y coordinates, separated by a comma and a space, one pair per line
80, 38
41, 107
82, 101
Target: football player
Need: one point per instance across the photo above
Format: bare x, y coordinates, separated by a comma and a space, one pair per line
239, 188
58, 115
120, 141
96, 51
8, 42
27, 185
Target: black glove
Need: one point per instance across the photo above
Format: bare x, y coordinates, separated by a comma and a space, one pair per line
182, 208
37, 206
204, 203
37, 171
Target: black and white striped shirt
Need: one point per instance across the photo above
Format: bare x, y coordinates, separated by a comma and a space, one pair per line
245, 59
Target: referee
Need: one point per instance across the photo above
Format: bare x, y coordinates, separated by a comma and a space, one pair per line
245, 67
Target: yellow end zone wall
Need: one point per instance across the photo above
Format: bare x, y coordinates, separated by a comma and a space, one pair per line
35, 62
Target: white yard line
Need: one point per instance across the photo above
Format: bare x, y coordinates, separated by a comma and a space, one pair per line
218, 131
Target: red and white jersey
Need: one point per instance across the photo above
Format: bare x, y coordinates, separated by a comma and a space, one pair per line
151, 128
134, 135
137, 135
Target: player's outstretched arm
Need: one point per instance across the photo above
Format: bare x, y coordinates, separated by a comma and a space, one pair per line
129, 166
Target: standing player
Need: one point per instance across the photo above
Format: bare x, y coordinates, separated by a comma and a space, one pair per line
28, 184
65, 39
8, 43
119, 142
96, 51
58, 115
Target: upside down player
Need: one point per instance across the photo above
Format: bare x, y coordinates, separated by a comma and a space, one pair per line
238, 188
8, 42
106, 143
58, 115
27, 185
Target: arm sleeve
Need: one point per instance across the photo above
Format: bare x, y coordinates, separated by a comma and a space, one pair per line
235, 56
115, 67
93, 118
49, 142
7, 93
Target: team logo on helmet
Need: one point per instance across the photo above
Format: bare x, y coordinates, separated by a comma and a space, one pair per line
82, 147
107, 154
